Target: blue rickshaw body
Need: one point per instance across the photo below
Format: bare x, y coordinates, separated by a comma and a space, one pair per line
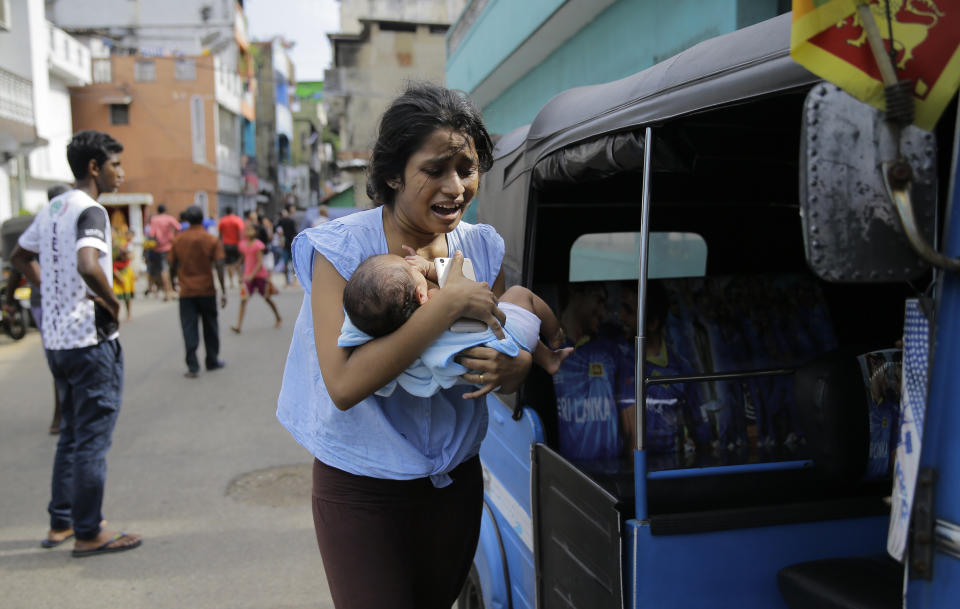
625, 547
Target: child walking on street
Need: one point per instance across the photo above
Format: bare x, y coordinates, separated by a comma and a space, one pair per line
124, 280
255, 275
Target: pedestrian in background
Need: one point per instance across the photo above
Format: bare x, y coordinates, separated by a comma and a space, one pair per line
323, 215
209, 225
71, 237
256, 277
288, 226
163, 228
124, 279
154, 278
194, 255
264, 235
231, 232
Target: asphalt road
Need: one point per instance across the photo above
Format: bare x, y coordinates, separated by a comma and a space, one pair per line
200, 467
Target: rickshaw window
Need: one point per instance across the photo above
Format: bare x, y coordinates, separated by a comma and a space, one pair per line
613, 256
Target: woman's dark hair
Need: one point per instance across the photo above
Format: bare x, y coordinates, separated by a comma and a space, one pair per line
380, 296
87, 145
423, 108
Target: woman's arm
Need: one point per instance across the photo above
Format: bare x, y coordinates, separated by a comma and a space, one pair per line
354, 374
499, 285
491, 369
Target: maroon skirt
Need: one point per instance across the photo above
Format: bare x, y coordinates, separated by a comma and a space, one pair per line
403, 544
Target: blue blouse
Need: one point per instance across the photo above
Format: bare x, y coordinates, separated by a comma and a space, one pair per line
399, 437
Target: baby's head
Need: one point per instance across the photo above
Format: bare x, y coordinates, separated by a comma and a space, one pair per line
383, 293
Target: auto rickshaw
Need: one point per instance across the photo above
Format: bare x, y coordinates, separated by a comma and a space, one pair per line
732, 180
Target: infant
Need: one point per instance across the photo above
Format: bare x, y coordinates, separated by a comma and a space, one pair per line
385, 290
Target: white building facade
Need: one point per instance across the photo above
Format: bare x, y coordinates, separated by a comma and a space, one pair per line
38, 62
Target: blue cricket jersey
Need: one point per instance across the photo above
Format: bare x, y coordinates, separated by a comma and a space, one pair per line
592, 386
668, 406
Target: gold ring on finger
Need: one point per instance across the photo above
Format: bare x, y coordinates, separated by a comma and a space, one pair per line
481, 378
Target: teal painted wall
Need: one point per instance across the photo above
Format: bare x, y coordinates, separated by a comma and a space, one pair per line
629, 36
501, 28
755, 11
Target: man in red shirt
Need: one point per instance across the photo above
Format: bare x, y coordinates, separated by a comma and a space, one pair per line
163, 228
230, 228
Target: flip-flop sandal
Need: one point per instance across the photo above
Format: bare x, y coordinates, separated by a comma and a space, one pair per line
106, 548
52, 543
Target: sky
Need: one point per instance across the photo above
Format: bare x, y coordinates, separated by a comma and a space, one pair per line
305, 22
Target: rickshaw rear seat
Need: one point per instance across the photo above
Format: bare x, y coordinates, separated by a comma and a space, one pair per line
832, 405
872, 582
832, 411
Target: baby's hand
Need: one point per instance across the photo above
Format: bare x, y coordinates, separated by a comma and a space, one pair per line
420, 263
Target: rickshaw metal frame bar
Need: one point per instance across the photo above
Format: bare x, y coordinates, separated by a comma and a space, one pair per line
640, 385
900, 195
640, 388
718, 376
729, 470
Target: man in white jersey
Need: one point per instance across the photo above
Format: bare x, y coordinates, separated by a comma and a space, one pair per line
71, 238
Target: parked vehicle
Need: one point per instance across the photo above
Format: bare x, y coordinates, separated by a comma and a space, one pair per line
15, 324
696, 176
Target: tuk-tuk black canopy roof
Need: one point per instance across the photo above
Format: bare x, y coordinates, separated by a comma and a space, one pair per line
745, 64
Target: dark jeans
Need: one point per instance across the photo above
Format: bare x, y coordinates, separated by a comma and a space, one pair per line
156, 262
287, 258
204, 309
89, 384
401, 544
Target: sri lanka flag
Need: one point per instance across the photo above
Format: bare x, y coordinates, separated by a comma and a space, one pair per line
828, 39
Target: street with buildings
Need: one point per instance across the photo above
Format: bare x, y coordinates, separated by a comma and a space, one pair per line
199, 467
221, 109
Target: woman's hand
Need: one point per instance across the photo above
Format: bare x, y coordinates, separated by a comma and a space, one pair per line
473, 299
493, 370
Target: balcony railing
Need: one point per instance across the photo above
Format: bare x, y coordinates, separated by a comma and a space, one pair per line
16, 98
228, 87
67, 58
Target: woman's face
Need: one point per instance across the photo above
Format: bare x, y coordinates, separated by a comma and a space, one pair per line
440, 179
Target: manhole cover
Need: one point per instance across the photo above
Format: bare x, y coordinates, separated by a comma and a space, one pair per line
282, 486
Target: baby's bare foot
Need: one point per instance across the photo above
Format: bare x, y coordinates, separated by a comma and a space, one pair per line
556, 358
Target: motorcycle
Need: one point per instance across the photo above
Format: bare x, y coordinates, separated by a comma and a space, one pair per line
14, 316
